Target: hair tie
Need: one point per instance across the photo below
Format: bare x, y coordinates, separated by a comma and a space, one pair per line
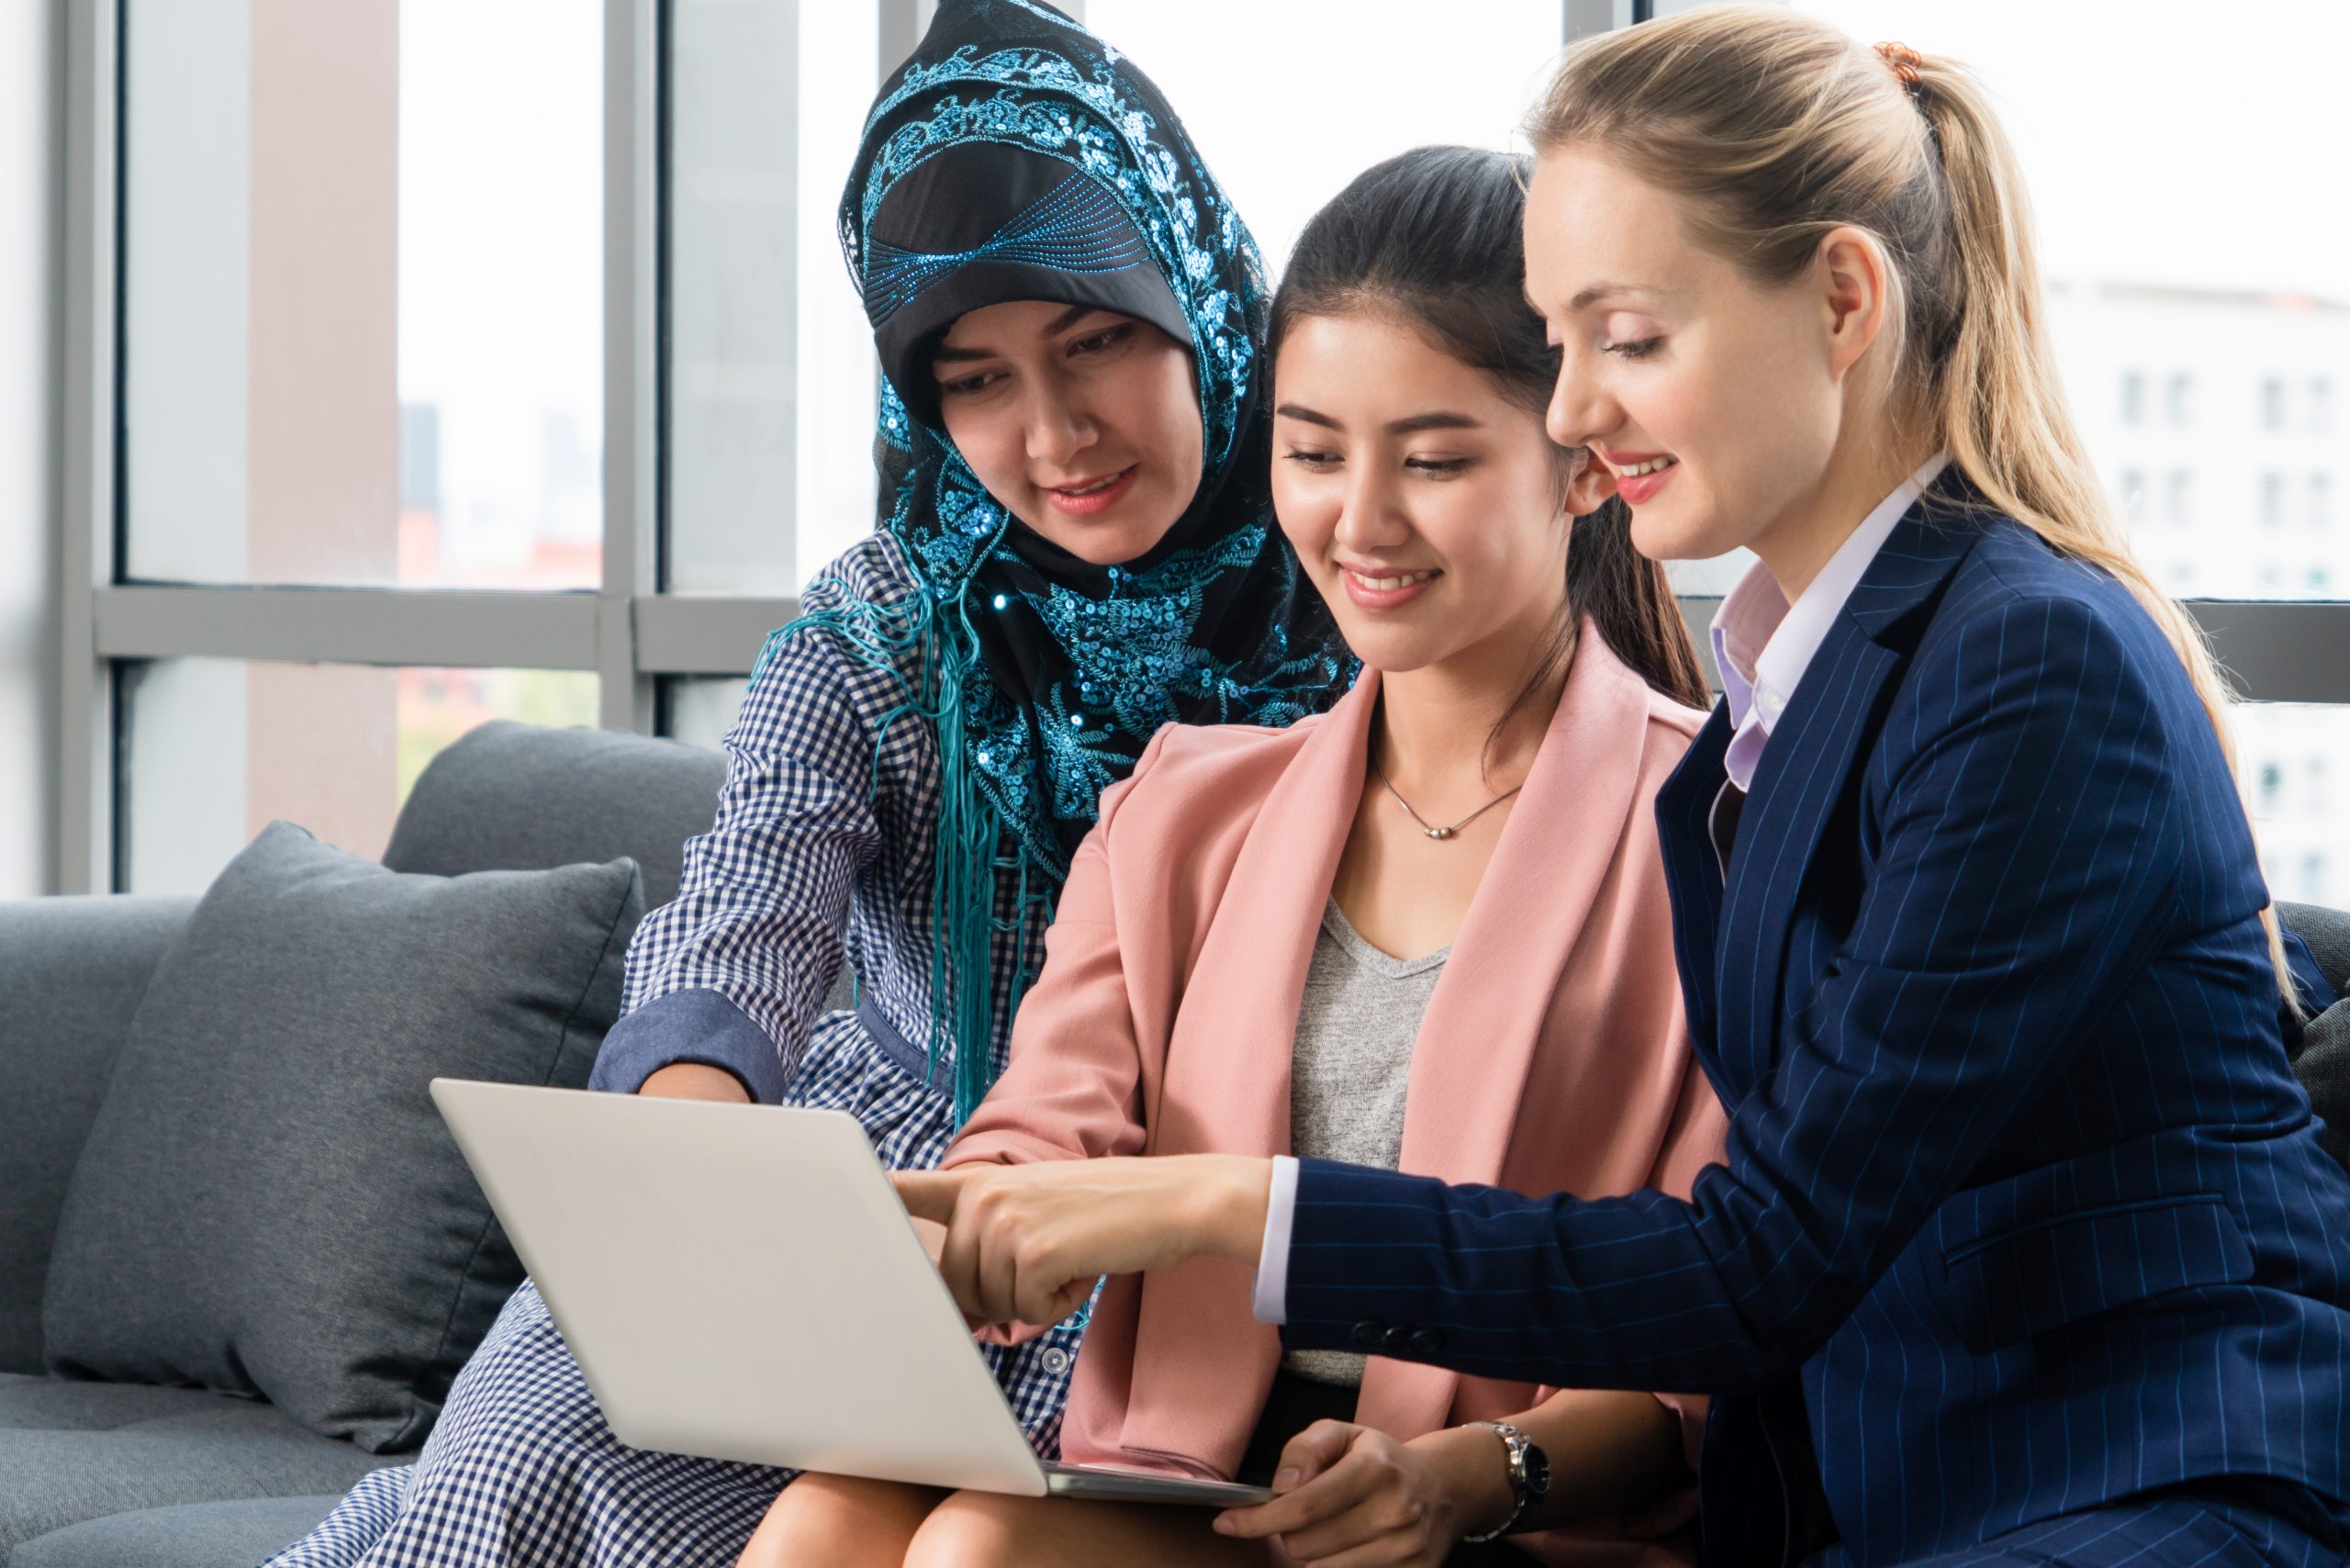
1905, 61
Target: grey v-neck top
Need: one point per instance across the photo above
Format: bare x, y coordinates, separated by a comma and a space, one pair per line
1348, 1069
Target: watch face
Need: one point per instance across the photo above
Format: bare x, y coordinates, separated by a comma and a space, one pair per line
1537, 1474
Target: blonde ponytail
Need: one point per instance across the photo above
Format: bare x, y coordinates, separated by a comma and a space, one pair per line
1777, 128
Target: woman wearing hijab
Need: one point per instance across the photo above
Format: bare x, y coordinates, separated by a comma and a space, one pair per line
1076, 548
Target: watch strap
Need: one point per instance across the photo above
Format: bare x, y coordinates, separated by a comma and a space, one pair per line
1516, 1442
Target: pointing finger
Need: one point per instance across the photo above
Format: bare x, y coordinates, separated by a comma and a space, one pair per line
928, 1194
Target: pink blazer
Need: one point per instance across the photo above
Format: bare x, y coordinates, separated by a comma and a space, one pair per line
1553, 1055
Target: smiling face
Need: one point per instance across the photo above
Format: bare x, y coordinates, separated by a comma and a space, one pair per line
1084, 422
1428, 508
1717, 403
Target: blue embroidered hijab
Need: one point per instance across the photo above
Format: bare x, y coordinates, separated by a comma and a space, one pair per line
1016, 156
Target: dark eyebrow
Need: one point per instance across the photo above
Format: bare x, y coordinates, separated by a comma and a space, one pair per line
942, 355
1441, 419
1068, 319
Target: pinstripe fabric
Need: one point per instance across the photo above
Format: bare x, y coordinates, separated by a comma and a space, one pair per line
821, 849
2202, 1527
2019, 1181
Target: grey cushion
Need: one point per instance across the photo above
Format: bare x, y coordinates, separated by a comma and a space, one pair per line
76, 967
2323, 1064
194, 1535
77, 1452
268, 1202
519, 797
2327, 931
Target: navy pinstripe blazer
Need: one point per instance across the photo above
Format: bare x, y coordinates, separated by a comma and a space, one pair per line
2020, 1186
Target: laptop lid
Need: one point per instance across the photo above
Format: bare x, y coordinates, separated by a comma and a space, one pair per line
740, 1282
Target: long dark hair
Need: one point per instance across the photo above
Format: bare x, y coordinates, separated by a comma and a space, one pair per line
1433, 236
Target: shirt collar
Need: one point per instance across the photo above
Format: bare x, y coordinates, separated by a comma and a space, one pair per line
1763, 644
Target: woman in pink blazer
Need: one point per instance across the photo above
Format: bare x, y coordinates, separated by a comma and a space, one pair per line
1485, 788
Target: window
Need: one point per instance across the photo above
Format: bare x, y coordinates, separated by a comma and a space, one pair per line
2272, 500
362, 298
215, 749
384, 337
2292, 755
2215, 344
359, 320
2180, 488
2134, 494
429, 408
2272, 403
2179, 400
32, 39
701, 710
737, 214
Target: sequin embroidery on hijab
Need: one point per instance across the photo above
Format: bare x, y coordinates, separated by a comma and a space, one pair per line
1016, 156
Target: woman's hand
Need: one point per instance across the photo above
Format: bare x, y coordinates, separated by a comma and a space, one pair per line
1024, 1243
1353, 1497
933, 1238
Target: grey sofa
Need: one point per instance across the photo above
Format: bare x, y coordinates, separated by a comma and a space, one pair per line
114, 1475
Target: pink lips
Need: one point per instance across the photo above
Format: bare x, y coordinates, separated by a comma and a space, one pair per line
1093, 503
1637, 489
1643, 489
1360, 593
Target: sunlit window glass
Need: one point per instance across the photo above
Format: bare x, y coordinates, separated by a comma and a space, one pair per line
362, 324
216, 749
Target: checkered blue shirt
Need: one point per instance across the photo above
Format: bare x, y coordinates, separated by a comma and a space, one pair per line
822, 853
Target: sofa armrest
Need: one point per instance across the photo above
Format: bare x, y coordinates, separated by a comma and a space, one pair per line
2327, 932
76, 968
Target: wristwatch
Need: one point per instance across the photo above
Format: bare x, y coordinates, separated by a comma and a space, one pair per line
1530, 1474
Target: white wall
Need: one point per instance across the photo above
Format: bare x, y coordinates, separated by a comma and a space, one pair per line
32, 128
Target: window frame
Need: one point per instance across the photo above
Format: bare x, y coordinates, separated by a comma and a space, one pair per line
630, 630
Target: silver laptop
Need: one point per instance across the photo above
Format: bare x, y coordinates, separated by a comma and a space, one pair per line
740, 1282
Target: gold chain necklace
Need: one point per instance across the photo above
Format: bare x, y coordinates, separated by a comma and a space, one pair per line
1431, 829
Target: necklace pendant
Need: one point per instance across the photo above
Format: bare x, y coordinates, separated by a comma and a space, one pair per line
1440, 833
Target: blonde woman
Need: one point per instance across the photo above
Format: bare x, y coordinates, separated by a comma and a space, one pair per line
2026, 1249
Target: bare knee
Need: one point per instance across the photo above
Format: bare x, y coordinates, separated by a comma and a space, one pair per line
972, 1529
840, 1520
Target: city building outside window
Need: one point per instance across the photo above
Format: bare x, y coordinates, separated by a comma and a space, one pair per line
2134, 494
2272, 403
2179, 400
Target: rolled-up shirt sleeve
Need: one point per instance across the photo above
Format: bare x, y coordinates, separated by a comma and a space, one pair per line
689, 1027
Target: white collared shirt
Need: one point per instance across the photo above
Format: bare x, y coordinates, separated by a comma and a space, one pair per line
1763, 644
